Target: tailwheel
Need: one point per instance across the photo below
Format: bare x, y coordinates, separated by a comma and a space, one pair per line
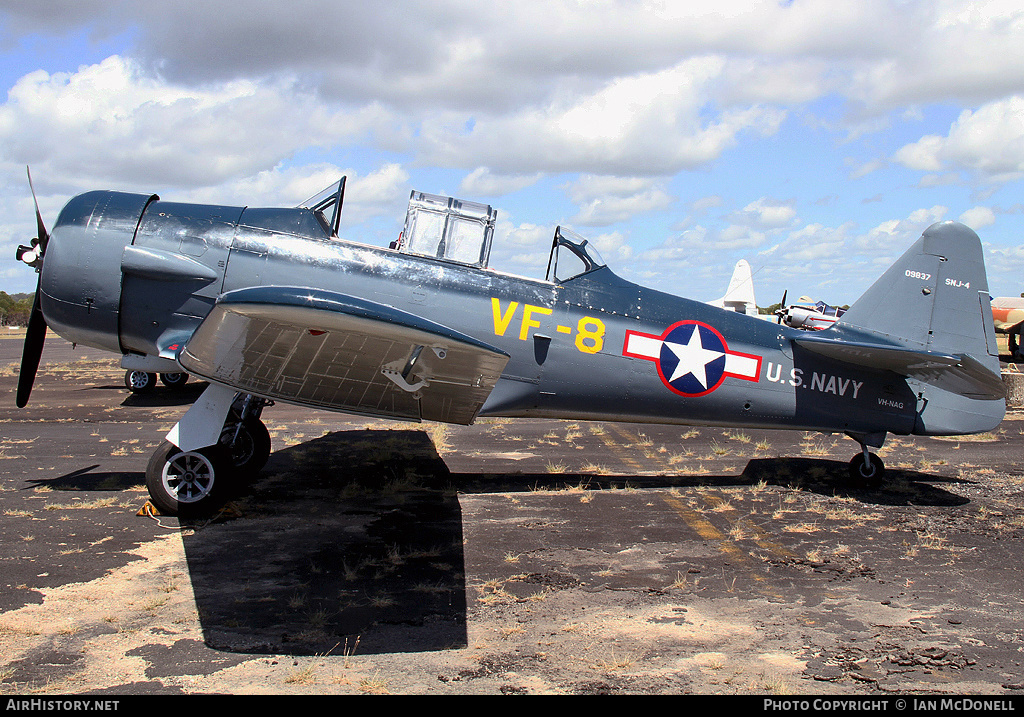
866, 470
247, 444
186, 483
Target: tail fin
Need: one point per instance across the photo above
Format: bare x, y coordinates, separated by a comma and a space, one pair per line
929, 318
935, 297
740, 294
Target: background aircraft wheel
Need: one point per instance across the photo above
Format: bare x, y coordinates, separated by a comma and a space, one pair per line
251, 450
185, 483
1013, 342
866, 475
174, 380
139, 381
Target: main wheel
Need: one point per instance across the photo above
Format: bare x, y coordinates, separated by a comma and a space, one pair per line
251, 450
139, 381
174, 380
186, 483
866, 474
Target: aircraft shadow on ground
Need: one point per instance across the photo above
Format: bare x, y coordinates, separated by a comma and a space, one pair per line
90, 479
162, 395
347, 543
353, 542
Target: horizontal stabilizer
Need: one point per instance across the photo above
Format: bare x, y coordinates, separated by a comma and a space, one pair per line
962, 375
328, 350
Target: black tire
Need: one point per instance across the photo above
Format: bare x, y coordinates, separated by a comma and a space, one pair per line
866, 475
186, 483
252, 449
139, 381
174, 380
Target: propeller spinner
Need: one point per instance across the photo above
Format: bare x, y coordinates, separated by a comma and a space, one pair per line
35, 336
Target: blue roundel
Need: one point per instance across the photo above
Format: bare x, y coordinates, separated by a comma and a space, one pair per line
692, 359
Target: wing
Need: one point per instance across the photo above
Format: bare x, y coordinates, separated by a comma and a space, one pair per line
337, 352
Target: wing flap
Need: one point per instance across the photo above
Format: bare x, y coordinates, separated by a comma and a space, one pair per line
337, 352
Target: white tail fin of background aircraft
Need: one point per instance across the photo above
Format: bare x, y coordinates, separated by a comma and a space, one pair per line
740, 295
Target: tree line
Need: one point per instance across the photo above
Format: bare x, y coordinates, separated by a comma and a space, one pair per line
15, 309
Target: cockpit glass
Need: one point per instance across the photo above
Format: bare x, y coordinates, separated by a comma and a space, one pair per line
571, 256
326, 206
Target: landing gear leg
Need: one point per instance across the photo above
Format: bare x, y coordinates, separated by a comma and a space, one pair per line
245, 437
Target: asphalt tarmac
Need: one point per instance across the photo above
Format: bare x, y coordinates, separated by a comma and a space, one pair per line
508, 557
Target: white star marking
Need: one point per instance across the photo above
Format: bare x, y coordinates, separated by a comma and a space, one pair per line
693, 358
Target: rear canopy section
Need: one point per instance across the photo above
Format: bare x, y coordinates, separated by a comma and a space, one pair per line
448, 228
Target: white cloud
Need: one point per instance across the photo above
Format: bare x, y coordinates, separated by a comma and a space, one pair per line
482, 182
896, 234
383, 191
521, 248
113, 121
705, 203
606, 200
651, 124
988, 141
978, 217
767, 214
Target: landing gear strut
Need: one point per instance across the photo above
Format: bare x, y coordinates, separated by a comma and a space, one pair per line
219, 441
245, 437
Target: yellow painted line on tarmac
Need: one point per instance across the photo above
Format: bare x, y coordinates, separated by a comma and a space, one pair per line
760, 537
728, 547
619, 450
696, 520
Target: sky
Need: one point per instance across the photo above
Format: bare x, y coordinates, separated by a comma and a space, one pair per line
813, 138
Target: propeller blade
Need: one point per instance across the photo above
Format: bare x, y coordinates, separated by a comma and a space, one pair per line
32, 351
40, 227
782, 307
35, 335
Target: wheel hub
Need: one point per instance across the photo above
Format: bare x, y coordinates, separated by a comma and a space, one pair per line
188, 477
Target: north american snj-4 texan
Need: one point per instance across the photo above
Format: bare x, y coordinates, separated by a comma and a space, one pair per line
272, 305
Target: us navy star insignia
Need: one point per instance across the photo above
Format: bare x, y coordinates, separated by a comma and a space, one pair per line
693, 358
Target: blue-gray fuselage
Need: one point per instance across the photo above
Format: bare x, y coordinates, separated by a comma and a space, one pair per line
136, 275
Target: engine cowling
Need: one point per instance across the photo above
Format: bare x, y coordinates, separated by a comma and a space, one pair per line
80, 281
131, 274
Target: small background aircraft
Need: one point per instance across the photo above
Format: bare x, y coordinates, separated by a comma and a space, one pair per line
1008, 315
270, 304
808, 314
